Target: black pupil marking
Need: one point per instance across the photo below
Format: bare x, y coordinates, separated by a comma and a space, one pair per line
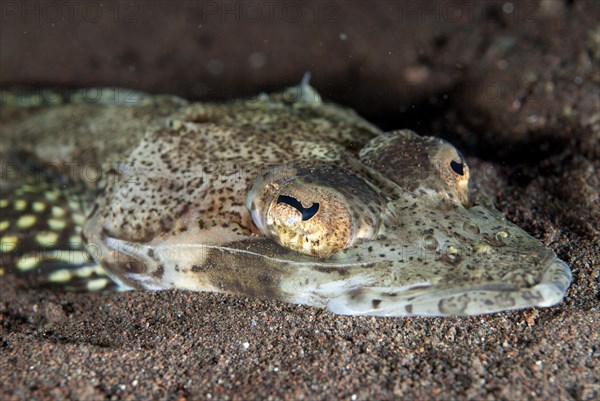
307, 212
458, 168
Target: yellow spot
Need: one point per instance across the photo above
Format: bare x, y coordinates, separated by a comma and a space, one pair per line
58, 211
69, 256
52, 196
4, 225
78, 219
75, 241
3, 202
56, 225
46, 238
84, 271
74, 205
78, 257
8, 243
28, 188
60, 276
20, 204
97, 284
26, 221
87, 271
27, 262
38, 207
2, 271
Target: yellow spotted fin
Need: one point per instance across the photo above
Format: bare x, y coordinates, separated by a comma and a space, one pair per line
41, 215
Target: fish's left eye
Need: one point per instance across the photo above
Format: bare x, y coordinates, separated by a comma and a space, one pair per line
451, 168
314, 210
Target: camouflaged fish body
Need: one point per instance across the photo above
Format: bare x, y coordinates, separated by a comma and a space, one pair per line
283, 197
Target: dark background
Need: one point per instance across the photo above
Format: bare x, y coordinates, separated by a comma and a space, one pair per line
504, 69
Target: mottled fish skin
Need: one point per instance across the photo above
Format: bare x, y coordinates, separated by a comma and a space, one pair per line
54, 149
288, 198
41, 220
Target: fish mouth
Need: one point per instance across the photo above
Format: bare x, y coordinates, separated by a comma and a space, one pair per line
460, 300
557, 277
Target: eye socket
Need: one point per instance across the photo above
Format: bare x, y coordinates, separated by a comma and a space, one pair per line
457, 167
313, 211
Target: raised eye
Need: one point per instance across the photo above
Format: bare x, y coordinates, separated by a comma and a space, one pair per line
419, 163
452, 168
313, 209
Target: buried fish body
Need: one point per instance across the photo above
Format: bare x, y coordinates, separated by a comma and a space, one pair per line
282, 197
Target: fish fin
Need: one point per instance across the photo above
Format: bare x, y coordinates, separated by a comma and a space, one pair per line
302, 94
41, 215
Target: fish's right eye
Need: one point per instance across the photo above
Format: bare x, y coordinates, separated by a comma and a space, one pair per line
303, 210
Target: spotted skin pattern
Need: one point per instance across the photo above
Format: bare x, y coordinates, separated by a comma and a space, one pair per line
40, 231
188, 198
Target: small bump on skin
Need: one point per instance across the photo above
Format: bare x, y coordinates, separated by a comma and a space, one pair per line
501, 236
471, 227
430, 243
483, 249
